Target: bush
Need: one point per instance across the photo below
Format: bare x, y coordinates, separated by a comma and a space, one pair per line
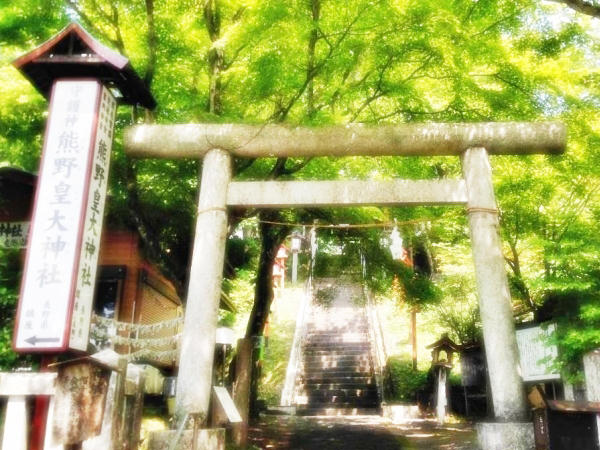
401, 381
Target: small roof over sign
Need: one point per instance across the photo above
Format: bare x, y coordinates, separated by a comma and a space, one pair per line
74, 53
445, 342
17, 175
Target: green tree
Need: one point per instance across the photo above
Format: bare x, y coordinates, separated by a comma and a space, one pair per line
327, 61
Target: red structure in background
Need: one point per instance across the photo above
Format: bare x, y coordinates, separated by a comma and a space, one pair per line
279, 267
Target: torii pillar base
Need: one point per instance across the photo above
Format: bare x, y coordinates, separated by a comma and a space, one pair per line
206, 439
504, 436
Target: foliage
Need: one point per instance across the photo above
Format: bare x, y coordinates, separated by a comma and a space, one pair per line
279, 344
9, 284
459, 312
577, 315
345, 247
325, 296
376, 62
403, 383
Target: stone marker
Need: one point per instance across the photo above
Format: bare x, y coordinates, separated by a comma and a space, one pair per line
241, 389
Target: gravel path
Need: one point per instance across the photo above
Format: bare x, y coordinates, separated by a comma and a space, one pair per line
357, 433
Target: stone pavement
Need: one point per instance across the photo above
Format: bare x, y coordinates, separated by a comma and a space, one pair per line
358, 433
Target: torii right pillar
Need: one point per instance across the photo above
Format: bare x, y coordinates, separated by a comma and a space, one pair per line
511, 428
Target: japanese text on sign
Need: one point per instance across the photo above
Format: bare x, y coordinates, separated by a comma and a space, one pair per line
68, 179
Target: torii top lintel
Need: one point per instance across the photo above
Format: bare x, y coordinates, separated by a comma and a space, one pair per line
428, 139
74, 53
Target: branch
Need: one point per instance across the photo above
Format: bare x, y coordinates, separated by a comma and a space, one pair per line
152, 43
278, 168
90, 24
510, 83
296, 167
578, 208
234, 57
117, 28
282, 113
499, 21
101, 11
241, 164
582, 6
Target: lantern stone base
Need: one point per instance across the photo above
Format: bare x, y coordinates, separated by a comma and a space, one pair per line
208, 439
505, 436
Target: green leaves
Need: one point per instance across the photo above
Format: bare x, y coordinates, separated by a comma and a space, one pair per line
370, 61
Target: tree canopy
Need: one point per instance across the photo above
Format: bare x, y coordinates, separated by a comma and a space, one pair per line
318, 62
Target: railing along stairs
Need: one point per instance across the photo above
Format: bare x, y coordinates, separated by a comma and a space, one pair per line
288, 393
378, 351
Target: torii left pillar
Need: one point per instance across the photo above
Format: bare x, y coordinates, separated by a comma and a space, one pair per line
194, 383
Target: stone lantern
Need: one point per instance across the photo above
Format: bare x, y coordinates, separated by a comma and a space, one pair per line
442, 354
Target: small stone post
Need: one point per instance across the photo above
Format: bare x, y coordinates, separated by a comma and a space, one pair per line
569, 391
591, 368
441, 391
15, 423
241, 389
294, 266
195, 378
495, 306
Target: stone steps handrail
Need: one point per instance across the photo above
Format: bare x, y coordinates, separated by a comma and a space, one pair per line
378, 350
293, 369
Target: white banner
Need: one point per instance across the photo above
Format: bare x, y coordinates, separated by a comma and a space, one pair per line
92, 229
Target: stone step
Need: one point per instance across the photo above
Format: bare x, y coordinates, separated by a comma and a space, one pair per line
355, 403
319, 331
363, 392
343, 379
354, 328
349, 398
334, 324
337, 346
358, 339
313, 386
363, 331
350, 366
331, 325
328, 358
320, 373
359, 353
332, 412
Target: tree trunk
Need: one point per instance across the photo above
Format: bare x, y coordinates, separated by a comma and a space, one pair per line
263, 293
271, 239
413, 335
315, 6
212, 17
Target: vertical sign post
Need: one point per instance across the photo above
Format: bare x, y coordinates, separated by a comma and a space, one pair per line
57, 290
79, 75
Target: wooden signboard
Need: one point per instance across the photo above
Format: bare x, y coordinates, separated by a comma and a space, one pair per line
536, 356
79, 401
55, 304
13, 234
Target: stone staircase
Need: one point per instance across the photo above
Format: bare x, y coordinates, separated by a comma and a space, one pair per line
337, 376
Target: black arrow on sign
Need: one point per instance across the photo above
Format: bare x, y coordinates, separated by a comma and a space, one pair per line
34, 340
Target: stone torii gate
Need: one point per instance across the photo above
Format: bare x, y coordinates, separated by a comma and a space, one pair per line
217, 144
